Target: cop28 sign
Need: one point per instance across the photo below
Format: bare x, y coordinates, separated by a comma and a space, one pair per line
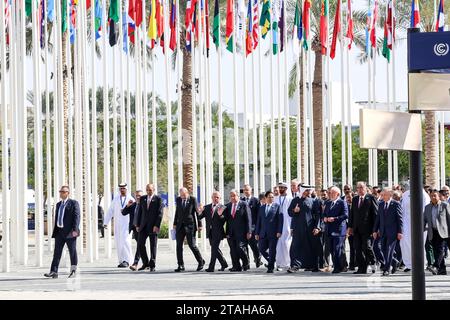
441, 49
428, 51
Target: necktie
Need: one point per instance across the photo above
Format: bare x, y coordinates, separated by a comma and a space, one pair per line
184, 204
267, 210
385, 207
212, 211
233, 213
148, 202
60, 215
332, 205
360, 202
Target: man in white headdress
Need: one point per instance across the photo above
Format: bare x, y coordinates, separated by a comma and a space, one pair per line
283, 259
405, 242
122, 237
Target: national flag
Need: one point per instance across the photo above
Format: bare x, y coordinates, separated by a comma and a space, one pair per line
390, 22
373, 26
324, 26
98, 18
306, 25
255, 23
415, 14
173, 25
265, 18
241, 17
249, 33
28, 7
42, 23
275, 20
50, 10
207, 26
440, 20
125, 22
131, 16
216, 24
349, 34
190, 9
368, 27
336, 29
297, 31
386, 51
229, 31
152, 30
113, 22
73, 20
63, 16
7, 17
160, 23
281, 25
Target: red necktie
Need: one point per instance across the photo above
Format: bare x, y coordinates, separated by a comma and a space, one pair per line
212, 211
233, 213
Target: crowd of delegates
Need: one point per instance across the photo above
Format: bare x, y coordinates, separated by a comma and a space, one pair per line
293, 227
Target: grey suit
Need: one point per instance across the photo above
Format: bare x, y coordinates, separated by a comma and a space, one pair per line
438, 231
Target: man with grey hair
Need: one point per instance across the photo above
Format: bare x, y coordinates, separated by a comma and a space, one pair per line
238, 231
294, 189
253, 204
335, 216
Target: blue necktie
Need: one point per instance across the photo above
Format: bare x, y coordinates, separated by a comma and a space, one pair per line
267, 210
60, 215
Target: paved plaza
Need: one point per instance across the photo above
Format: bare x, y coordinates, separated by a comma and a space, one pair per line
103, 280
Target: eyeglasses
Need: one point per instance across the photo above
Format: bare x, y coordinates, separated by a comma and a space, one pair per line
63, 191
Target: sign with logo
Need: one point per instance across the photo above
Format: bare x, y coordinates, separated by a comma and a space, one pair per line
428, 51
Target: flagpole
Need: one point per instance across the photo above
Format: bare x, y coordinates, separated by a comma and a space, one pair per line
128, 115
324, 103
220, 118
208, 118
388, 97
144, 143
394, 100
94, 139
106, 135
273, 174
179, 104
343, 120
123, 157
154, 140
6, 241
194, 119
286, 101
262, 166
375, 153
280, 112
201, 109
245, 115
298, 118
311, 115
236, 129
70, 107
305, 114
256, 189
329, 114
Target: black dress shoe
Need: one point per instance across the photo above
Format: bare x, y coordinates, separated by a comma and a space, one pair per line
385, 273
143, 268
360, 272
223, 268
124, 264
201, 265
258, 264
308, 269
235, 270
209, 270
73, 274
407, 270
269, 270
394, 270
442, 273
179, 269
315, 270
51, 274
152, 269
245, 268
336, 271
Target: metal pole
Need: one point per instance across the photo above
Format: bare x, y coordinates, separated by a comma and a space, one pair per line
417, 252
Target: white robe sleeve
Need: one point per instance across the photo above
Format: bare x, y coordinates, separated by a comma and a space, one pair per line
110, 213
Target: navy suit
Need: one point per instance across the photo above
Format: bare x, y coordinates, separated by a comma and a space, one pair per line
388, 223
71, 222
253, 204
267, 227
336, 230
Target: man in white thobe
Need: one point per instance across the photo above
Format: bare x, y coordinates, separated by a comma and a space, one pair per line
122, 237
283, 259
405, 242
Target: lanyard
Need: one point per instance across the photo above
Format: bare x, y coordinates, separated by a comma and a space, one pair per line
282, 203
122, 203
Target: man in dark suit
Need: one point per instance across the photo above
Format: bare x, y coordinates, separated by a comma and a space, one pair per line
65, 232
437, 223
389, 228
269, 227
253, 203
361, 221
131, 208
149, 216
305, 228
335, 216
238, 231
215, 232
186, 224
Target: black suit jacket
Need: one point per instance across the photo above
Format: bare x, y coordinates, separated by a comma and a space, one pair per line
131, 211
214, 223
238, 227
308, 215
152, 216
253, 203
71, 219
187, 215
363, 219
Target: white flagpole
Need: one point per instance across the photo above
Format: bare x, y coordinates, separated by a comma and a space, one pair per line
286, 101
6, 242
280, 113
145, 153
388, 100
328, 115
394, 100
62, 146
442, 135
324, 107
262, 150
305, 57
38, 180
114, 111
128, 117
170, 186
311, 114
343, 120
349, 123
208, 119
123, 156
154, 141
254, 129
88, 200
245, 116
179, 104
273, 172
23, 152
201, 112
369, 103
235, 107
140, 176
298, 118
220, 118
70, 112
106, 134
94, 139
375, 154
194, 121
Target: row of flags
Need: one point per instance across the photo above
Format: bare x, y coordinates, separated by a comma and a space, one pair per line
243, 25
